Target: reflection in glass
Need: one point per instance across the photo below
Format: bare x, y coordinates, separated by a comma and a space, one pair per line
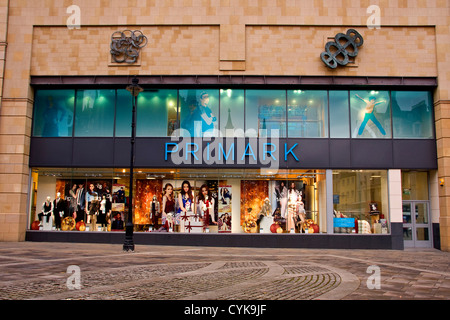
53, 113
415, 185
370, 114
407, 233
421, 213
406, 213
94, 115
265, 113
412, 114
232, 112
307, 114
199, 110
339, 114
156, 113
422, 234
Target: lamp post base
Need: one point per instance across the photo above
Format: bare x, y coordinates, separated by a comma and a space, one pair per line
128, 245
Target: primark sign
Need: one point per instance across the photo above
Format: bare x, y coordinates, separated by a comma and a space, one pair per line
263, 150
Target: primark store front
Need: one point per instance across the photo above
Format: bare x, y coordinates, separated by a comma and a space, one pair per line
235, 161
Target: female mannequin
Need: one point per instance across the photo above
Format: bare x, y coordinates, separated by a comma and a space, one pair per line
282, 197
105, 211
92, 205
155, 211
73, 201
293, 198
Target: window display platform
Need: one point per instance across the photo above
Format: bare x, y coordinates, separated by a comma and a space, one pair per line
311, 241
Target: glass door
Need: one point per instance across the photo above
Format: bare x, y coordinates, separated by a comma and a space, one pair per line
416, 224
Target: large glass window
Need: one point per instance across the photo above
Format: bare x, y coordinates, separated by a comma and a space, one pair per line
307, 113
265, 113
94, 115
124, 107
412, 114
235, 113
371, 114
360, 201
339, 114
156, 113
53, 113
199, 110
232, 112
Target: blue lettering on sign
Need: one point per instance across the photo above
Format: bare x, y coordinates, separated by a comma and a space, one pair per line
191, 149
226, 155
248, 154
290, 151
269, 152
166, 150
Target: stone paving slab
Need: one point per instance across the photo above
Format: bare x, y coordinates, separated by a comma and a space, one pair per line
39, 271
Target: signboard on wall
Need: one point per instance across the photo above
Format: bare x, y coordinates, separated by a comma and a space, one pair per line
344, 222
224, 205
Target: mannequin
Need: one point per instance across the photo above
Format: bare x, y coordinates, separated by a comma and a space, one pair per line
265, 219
73, 202
266, 209
92, 205
105, 212
81, 198
293, 197
168, 212
155, 211
282, 196
47, 209
58, 210
206, 206
301, 216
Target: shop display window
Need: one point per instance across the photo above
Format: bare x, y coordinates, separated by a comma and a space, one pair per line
232, 112
53, 113
360, 201
339, 114
412, 114
94, 114
265, 113
307, 113
370, 114
213, 201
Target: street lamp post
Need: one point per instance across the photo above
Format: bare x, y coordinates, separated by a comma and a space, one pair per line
134, 89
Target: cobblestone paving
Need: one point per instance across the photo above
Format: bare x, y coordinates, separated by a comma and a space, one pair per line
38, 271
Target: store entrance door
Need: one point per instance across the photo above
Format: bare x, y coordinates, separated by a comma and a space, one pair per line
416, 224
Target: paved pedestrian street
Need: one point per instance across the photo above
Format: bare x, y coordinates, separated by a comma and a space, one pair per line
74, 271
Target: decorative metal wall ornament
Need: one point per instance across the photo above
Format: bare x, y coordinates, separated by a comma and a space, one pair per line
125, 45
337, 52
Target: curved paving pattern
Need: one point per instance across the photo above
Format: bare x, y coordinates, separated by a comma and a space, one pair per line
38, 271
220, 280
